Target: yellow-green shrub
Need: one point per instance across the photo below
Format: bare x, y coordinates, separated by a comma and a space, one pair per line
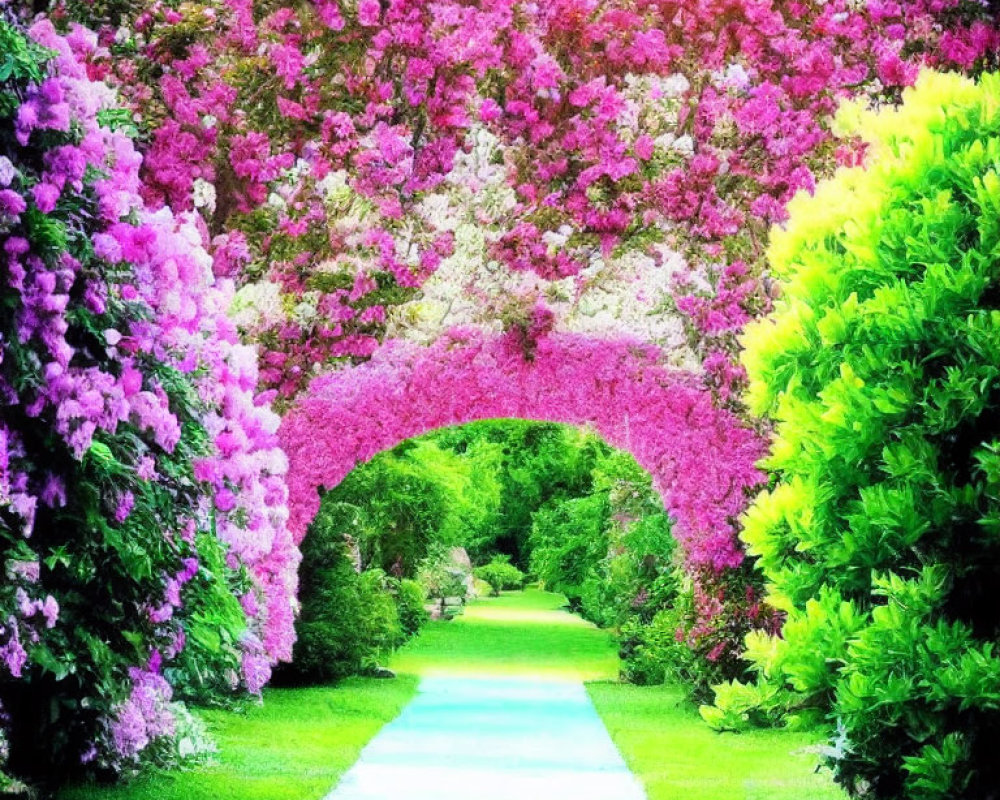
880, 369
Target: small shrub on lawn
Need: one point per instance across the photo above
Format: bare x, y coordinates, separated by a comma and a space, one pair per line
500, 574
410, 600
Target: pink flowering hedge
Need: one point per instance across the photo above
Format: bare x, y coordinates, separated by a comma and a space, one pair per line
701, 458
143, 511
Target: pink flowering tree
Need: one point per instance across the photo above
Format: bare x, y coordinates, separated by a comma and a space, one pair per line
322, 141
143, 507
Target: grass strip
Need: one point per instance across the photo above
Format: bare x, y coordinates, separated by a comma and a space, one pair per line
294, 746
676, 755
519, 633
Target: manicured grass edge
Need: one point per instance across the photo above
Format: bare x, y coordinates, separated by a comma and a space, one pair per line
675, 754
296, 745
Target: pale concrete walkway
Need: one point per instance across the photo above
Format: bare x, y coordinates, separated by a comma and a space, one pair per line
492, 739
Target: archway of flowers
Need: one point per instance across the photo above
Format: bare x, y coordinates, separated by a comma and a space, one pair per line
701, 457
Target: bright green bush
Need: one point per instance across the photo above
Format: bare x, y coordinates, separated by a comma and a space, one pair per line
410, 601
880, 368
647, 648
500, 574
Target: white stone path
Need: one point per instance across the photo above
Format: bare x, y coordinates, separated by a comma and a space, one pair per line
492, 739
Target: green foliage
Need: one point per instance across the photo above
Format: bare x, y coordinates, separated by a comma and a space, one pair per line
649, 648
410, 600
531, 464
20, 58
393, 509
403, 502
500, 574
881, 370
611, 552
349, 621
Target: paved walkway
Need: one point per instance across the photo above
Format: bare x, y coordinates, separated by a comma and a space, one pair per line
492, 739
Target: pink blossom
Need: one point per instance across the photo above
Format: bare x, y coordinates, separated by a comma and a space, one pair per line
369, 12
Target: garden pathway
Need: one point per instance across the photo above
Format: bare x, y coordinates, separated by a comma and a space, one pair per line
492, 738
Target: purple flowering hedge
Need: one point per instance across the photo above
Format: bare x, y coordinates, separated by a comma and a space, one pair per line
142, 500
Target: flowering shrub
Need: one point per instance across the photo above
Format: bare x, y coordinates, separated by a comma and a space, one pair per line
880, 370
142, 501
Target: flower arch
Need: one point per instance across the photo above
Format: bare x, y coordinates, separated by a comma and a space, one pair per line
701, 457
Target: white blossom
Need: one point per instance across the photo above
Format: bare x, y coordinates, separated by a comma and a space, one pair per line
257, 306
203, 195
683, 145
8, 172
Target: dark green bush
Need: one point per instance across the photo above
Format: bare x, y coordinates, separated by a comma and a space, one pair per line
881, 538
349, 620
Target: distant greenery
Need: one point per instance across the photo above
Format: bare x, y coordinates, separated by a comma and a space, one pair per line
550, 500
295, 746
533, 464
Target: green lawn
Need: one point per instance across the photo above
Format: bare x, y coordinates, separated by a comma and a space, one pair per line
519, 633
293, 747
299, 742
678, 757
